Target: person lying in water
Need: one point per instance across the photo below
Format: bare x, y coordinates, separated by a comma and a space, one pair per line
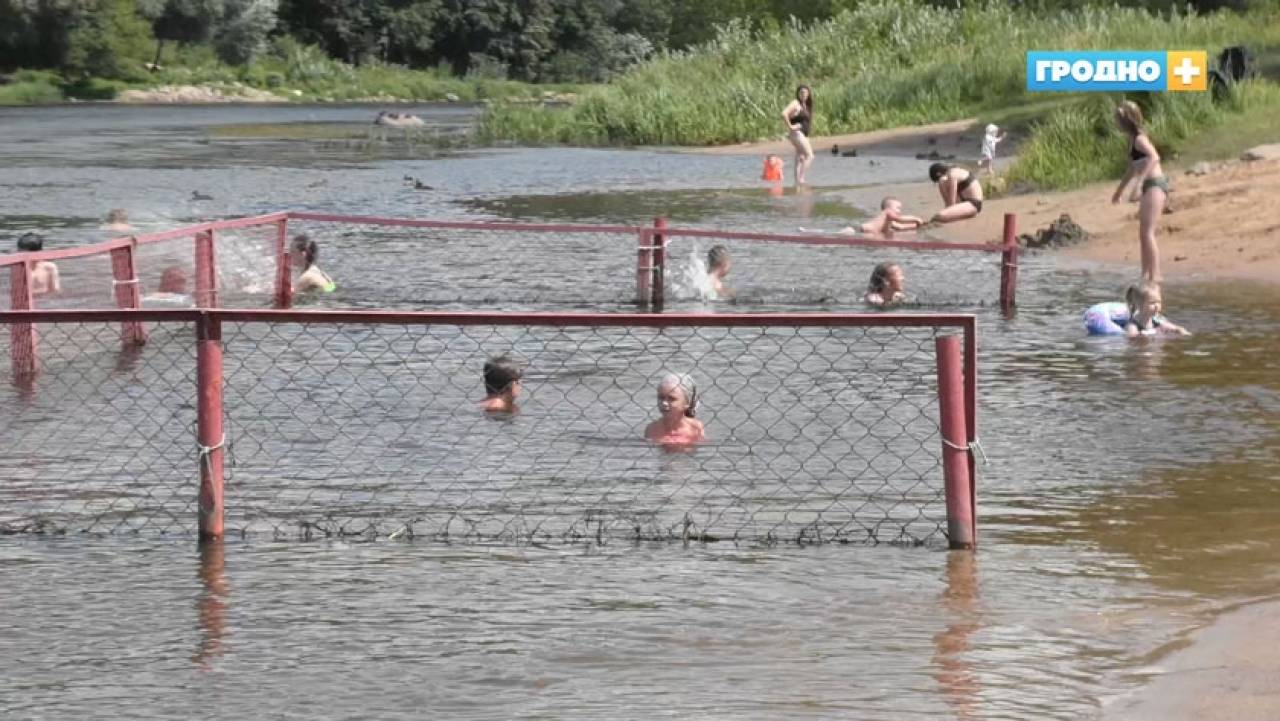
1145, 303
887, 286
887, 221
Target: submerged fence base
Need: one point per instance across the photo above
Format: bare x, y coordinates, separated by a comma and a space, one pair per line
819, 428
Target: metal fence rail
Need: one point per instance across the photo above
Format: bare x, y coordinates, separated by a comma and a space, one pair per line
245, 262
821, 428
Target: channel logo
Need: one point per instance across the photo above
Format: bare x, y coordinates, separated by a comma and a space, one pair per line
1111, 71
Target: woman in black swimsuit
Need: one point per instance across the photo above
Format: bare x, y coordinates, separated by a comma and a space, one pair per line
1144, 168
961, 193
798, 115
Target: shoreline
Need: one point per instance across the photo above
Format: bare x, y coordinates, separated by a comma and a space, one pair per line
1226, 671
1217, 227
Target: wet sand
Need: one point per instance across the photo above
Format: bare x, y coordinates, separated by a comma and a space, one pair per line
1229, 672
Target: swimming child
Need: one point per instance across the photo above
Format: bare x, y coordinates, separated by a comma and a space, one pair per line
501, 385
887, 286
990, 140
44, 274
678, 403
304, 251
718, 265
172, 289
1144, 312
118, 221
889, 219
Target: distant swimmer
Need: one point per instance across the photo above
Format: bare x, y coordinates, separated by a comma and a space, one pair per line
118, 221
304, 252
887, 221
44, 274
798, 116
961, 193
502, 377
677, 403
1144, 169
197, 196
718, 264
887, 286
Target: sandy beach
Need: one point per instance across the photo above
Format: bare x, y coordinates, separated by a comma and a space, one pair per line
1221, 224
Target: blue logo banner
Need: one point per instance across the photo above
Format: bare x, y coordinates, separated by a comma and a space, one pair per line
1096, 71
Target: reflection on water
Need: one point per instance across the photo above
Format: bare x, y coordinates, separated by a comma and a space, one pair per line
1131, 486
211, 608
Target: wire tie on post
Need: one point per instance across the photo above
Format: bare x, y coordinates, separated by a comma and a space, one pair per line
202, 456
974, 447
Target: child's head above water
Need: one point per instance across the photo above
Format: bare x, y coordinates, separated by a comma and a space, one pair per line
304, 250
718, 259
678, 392
886, 278
173, 280
1143, 299
890, 203
501, 375
30, 242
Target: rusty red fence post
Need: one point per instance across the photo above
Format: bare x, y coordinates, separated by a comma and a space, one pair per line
644, 268
659, 262
284, 285
1009, 265
22, 336
206, 271
209, 430
955, 444
124, 271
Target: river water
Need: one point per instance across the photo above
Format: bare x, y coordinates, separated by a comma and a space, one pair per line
1129, 493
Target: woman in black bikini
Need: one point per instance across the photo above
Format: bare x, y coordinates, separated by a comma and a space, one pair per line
1144, 167
961, 193
798, 115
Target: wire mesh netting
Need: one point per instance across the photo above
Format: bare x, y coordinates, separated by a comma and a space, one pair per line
815, 434
100, 439
768, 271
473, 266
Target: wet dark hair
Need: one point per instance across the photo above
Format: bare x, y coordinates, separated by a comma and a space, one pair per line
808, 102
30, 242
499, 373
717, 256
880, 277
303, 244
937, 170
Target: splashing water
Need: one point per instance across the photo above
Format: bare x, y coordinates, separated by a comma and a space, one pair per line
692, 281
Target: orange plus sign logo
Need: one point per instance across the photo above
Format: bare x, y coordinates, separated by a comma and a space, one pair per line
1187, 70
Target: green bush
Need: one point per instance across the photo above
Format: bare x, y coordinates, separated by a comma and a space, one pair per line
882, 64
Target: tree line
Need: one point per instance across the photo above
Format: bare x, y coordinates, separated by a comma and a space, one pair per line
530, 40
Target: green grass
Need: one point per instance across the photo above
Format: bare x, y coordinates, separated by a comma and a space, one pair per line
885, 64
290, 71
1079, 144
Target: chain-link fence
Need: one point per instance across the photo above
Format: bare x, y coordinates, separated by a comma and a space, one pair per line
819, 428
510, 265
813, 270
